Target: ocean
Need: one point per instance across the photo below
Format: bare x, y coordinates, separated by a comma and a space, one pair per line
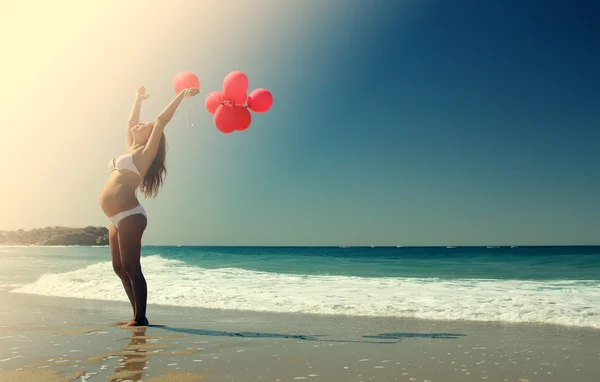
550, 285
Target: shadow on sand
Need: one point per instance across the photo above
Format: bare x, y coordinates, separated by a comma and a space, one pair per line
400, 336
386, 338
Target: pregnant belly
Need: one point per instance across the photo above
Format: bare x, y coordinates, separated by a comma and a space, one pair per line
117, 197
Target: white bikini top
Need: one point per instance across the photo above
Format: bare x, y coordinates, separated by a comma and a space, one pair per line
124, 162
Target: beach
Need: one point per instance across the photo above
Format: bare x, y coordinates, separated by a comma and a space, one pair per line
61, 339
303, 313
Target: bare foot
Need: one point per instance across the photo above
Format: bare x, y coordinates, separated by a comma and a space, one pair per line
121, 323
137, 322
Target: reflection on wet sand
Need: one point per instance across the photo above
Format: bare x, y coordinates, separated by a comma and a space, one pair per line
134, 358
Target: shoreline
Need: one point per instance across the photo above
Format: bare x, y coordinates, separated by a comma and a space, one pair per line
40, 334
287, 315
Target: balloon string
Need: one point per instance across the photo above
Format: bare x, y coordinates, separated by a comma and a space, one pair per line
190, 113
195, 132
186, 102
187, 108
226, 102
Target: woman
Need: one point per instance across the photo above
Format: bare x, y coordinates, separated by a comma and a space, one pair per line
143, 166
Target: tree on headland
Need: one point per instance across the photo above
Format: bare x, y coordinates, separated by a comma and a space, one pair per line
89, 235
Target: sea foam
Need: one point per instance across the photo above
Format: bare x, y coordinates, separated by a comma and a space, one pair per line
172, 282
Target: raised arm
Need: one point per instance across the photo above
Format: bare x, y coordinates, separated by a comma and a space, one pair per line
165, 116
134, 115
163, 119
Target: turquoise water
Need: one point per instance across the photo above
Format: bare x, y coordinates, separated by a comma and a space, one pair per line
559, 285
523, 263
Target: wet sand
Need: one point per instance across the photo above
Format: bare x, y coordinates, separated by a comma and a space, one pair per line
60, 339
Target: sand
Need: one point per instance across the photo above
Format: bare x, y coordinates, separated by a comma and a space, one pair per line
52, 376
59, 339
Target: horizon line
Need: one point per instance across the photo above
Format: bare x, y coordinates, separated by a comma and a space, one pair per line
324, 246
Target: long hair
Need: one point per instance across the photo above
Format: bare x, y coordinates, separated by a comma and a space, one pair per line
156, 173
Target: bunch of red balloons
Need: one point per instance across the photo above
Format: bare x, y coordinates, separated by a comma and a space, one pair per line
231, 107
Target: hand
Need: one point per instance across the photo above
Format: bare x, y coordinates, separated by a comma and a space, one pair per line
141, 93
190, 92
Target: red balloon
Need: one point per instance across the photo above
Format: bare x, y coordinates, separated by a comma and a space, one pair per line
235, 85
244, 118
260, 100
239, 99
226, 119
185, 80
213, 101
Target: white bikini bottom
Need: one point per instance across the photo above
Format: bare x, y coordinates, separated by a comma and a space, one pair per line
122, 215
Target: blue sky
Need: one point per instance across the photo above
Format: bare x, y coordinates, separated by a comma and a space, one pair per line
394, 123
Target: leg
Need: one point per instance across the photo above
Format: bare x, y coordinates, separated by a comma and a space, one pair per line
130, 234
115, 255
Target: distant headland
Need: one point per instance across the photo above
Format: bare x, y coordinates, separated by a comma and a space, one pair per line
56, 236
